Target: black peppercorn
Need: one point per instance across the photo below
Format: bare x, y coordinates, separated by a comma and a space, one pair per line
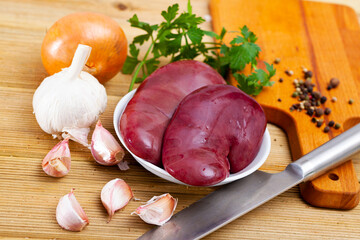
326, 129
328, 88
308, 74
323, 99
327, 111
313, 120
316, 95
279, 99
319, 112
310, 112
310, 89
281, 79
334, 82
331, 123
319, 123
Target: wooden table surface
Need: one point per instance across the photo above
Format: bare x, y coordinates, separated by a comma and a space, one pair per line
28, 197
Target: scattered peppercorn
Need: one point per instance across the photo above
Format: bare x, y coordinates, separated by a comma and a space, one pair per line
319, 123
310, 112
279, 99
333, 99
326, 129
351, 101
277, 60
316, 95
337, 126
313, 120
334, 82
308, 74
295, 94
319, 112
281, 79
323, 99
289, 72
331, 123
327, 111
328, 87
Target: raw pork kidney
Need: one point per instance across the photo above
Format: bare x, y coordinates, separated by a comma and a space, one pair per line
147, 115
216, 130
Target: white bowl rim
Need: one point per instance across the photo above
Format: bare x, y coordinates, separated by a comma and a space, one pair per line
258, 161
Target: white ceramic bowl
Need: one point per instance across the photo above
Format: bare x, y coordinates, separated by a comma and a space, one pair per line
253, 166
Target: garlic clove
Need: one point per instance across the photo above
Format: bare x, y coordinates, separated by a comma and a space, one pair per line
104, 147
57, 162
158, 210
115, 195
79, 135
69, 213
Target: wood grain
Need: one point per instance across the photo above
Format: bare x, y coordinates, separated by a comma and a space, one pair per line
314, 35
28, 197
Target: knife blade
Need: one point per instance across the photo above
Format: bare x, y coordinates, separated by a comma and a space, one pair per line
236, 199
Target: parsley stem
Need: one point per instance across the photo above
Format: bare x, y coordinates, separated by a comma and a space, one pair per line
139, 67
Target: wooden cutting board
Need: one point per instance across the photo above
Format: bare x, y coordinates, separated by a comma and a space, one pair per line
324, 38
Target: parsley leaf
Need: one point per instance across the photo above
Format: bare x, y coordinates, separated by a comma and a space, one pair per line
180, 37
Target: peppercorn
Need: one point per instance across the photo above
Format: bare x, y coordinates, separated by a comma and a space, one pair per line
331, 123
328, 87
310, 89
277, 60
279, 99
326, 129
333, 99
295, 94
307, 105
281, 80
323, 99
313, 120
310, 112
334, 82
351, 101
316, 95
319, 123
302, 97
337, 126
291, 108
317, 103
308, 74
327, 111
289, 72
319, 112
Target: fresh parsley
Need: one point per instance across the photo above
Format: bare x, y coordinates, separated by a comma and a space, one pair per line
179, 37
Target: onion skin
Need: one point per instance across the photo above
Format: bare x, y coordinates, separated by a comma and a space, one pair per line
102, 33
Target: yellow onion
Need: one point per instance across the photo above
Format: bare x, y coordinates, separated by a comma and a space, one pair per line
103, 34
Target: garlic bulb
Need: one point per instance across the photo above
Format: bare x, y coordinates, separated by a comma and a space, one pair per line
70, 101
115, 195
69, 213
158, 210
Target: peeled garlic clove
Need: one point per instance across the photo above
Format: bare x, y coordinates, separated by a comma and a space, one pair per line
104, 147
115, 195
158, 210
57, 162
69, 213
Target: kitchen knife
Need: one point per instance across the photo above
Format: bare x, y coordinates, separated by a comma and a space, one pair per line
236, 199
